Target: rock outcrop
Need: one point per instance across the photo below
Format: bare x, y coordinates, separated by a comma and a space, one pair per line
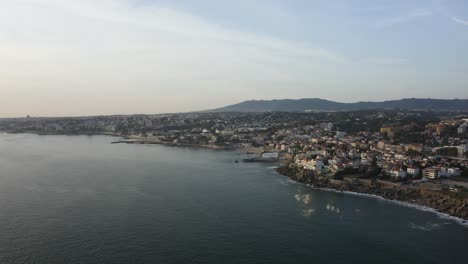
448, 203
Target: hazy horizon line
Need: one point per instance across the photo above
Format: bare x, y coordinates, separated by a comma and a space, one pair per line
207, 110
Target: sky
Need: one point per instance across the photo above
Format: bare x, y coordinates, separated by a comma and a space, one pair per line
99, 57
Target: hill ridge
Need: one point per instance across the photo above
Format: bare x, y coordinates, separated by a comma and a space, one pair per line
318, 104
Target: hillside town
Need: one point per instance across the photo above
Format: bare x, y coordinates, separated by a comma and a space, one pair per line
421, 148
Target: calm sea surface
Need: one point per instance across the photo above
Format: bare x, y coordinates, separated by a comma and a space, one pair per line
79, 199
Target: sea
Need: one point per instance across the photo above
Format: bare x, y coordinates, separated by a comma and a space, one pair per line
81, 199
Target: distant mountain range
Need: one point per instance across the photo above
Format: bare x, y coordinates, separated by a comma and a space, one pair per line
317, 104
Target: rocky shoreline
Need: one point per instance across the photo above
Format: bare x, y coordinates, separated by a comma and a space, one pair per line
448, 203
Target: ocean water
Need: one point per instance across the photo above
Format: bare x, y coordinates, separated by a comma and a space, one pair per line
80, 199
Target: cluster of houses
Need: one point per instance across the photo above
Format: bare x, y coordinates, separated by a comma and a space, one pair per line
320, 146
327, 153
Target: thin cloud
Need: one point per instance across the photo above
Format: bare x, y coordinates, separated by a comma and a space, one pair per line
403, 19
459, 21
386, 61
74, 49
175, 22
166, 42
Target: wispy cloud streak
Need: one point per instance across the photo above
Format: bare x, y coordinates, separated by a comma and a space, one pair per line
385, 61
459, 21
403, 19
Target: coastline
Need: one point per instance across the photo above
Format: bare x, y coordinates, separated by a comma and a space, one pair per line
457, 213
153, 142
127, 139
459, 220
446, 216
130, 140
123, 139
442, 204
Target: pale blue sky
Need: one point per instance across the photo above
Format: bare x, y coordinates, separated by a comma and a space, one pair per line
67, 57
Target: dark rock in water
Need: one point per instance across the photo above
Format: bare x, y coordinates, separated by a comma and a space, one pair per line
256, 159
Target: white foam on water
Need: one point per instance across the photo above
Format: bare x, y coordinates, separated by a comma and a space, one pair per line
288, 181
425, 227
458, 220
455, 219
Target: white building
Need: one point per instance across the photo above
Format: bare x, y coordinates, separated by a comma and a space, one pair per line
398, 173
340, 134
110, 128
284, 147
449, 172
413, 171
149, 123
462, 128
431, 173
462, 149
313, 164
381, 145
270, 155
326, 126
227, 132
454, 171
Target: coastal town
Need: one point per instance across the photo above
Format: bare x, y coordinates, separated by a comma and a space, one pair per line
418, 157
